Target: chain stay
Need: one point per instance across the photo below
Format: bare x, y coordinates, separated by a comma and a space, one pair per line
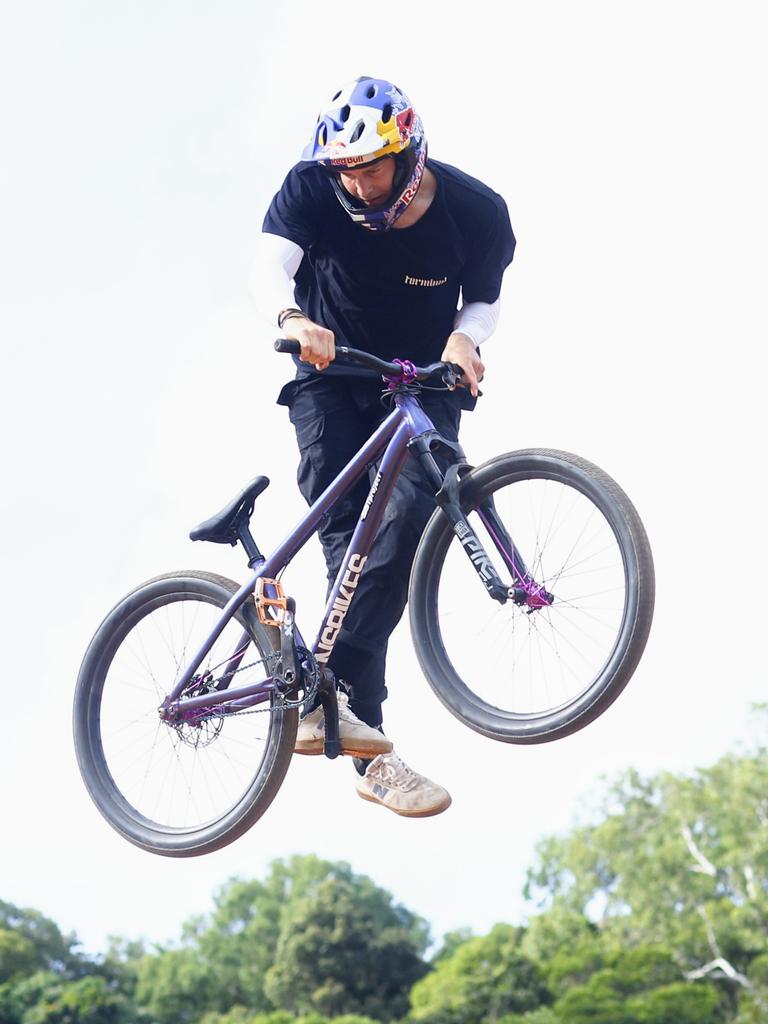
271, 661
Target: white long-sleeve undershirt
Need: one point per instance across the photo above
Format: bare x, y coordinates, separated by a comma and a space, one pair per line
277, 260
478, 320
270, 283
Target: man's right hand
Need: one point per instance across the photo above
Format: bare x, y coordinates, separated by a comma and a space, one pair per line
317, 343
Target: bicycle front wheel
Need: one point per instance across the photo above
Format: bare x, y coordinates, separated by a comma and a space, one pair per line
529, 675
179, 790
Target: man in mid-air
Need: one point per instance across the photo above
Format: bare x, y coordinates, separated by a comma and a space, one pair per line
371, 244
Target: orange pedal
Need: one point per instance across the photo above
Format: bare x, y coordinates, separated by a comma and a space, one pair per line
264, 601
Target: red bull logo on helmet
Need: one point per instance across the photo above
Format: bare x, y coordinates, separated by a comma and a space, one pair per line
351, 161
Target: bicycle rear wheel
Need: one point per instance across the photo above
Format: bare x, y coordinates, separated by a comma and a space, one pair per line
186, 789
523, 675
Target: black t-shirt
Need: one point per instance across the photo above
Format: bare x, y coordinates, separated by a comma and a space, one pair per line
393, 293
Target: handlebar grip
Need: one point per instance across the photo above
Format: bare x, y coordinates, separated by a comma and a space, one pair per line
287, 345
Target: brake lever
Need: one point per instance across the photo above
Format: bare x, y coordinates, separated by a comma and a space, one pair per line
451, 378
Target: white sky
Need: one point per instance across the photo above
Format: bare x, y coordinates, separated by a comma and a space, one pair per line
140, 145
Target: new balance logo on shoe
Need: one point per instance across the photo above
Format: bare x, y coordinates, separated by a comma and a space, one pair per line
390, 782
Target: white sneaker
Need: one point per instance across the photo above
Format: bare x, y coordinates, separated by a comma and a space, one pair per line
389, 781
357, 738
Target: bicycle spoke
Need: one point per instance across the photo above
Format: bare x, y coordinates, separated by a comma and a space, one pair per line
186, 774
571, 551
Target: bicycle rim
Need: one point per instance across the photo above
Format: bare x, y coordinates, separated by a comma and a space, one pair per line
176, 778
531, 665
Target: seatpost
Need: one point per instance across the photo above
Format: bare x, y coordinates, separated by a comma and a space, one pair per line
251, 548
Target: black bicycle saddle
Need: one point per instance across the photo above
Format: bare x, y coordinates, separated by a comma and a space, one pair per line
225, 526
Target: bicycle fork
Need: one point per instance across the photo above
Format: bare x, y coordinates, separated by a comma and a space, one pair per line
524, 589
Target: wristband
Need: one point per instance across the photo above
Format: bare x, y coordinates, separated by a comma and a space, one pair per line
288, 314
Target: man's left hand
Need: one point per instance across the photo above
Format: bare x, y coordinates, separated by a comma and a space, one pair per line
461, 349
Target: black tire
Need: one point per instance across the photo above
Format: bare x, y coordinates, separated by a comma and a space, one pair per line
516, 714
117, 678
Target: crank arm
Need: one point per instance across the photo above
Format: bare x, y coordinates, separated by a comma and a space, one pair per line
327, 697
288, 670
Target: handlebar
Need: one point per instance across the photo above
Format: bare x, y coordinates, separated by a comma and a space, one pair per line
450, 372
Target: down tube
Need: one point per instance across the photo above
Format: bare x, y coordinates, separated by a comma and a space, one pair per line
295, 540
365, 532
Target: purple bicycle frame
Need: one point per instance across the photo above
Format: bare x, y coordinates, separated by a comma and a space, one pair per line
406, 421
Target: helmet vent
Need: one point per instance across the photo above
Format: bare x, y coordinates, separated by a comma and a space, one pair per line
344, 114
358, 131
371, 91
386, 113
336, 96
322, 134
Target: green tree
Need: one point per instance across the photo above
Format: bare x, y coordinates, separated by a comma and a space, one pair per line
38, 942
120, 964
18, 956
243, 932
176, 985
224, 957
347, 948
484, 979
88, 1000
49, 998
640, 986
676, 861
568, 948
678, 1003
21, 994
307, 908
451, 942
541, 1015
44, 979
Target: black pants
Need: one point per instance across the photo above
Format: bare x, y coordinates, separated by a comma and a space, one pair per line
333, 417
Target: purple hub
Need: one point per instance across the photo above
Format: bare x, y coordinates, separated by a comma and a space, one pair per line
173, 715
196, 715
538, 597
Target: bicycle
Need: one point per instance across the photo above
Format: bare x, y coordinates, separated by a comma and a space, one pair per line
524, 641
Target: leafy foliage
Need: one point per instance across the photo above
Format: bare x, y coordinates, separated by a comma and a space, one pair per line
676, 861
347, 949
656, 913
484, 979
312, 937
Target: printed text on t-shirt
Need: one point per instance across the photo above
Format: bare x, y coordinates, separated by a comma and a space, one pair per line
425, 282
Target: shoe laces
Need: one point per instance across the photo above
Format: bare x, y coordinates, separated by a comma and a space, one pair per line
345, 712
393, 772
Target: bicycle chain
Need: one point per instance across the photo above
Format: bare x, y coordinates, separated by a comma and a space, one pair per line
270, 661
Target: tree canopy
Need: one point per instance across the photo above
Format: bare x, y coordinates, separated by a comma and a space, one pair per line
312, 937
681, 861
654, 913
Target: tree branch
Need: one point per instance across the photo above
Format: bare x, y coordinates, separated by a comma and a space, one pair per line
711, 937
722, 965
704, 866
719, 965
749, 877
